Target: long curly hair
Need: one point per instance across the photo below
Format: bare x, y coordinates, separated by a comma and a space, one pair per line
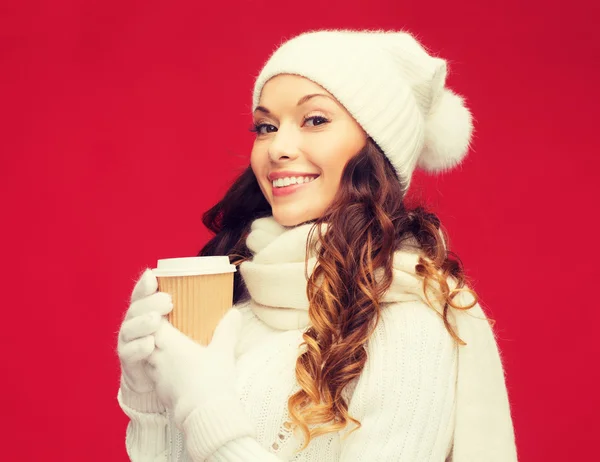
367, 222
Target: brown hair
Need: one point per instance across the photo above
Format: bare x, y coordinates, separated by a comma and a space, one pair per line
367, 222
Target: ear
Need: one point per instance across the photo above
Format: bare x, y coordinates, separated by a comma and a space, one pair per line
227, 332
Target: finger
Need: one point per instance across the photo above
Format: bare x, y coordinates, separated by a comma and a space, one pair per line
136, 350
227, 331
140, 326
161, 302
166, 335
150, 369
146, 285
151, 362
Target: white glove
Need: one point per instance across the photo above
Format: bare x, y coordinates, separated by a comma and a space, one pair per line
188, 375
136, 342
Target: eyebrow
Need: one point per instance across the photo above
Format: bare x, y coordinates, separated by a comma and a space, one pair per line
300, 102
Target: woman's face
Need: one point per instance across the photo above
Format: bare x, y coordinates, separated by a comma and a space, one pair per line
298, 135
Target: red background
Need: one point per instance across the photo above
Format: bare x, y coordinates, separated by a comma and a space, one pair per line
122, 121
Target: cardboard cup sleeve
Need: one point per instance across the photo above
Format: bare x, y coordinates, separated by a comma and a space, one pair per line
199, 300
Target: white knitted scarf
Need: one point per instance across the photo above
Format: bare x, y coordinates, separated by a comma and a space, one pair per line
276, 280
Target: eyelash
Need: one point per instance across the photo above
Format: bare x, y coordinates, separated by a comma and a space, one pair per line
255, 128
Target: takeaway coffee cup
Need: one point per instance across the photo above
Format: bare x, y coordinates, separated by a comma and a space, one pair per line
202, 292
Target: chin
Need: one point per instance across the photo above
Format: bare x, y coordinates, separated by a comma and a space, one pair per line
292, 221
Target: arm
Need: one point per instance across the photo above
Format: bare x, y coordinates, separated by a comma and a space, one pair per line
146, 437
230, 433
484, 428
147, 431
404, 398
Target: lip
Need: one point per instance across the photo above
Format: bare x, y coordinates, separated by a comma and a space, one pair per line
282, 174
287, 190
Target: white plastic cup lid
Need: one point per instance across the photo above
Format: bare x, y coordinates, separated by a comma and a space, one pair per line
193, 266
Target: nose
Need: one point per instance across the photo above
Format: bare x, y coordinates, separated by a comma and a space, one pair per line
284, 145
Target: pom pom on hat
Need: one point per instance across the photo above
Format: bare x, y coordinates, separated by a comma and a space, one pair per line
448, 130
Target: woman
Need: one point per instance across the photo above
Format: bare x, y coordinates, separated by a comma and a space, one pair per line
354, 336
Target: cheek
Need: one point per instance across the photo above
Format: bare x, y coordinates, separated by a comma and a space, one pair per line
333, 169
330, 182
253, 161
333, 186
258, 169
259, 160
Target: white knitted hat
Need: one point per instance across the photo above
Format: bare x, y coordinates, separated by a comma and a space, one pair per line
391, 86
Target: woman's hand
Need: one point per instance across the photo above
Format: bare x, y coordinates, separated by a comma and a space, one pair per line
136, 334
189, 376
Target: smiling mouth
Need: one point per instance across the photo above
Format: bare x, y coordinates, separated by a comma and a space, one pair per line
289, 189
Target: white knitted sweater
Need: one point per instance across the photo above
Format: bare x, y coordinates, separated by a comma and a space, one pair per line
420, 397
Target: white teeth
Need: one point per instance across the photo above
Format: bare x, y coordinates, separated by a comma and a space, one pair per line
280, 182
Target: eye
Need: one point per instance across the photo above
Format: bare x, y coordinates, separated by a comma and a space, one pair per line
315, 119
256, 128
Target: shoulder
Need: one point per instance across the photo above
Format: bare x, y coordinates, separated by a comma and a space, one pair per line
409, 340
409, 323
